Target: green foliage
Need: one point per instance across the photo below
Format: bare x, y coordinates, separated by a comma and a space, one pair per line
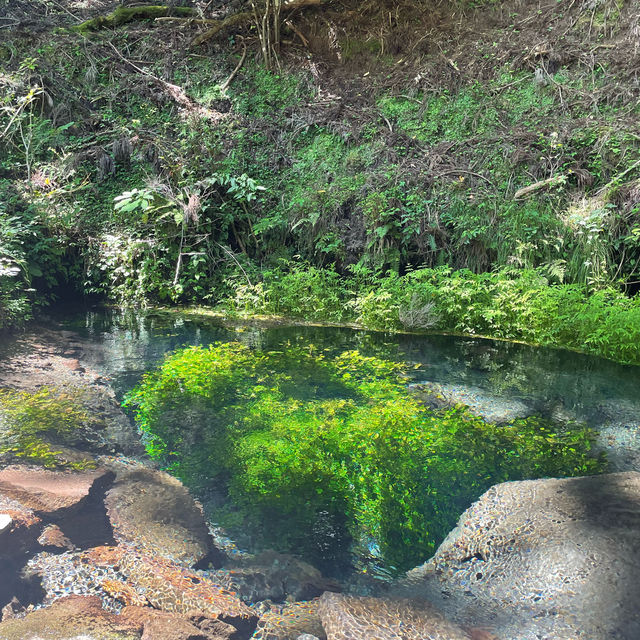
33, 425
510, 304
297, 437
264, 93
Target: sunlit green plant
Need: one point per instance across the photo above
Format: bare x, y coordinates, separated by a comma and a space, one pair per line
299, 437
33, 425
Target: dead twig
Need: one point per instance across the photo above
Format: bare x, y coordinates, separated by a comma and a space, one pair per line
234, 73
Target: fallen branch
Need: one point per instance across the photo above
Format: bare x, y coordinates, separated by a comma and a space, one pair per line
549, 182
188, 20
234, 73
122, 15
246, 17
177, 93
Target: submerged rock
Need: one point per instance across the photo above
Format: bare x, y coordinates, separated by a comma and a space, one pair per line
70, 618
155, 512
123, 576
276, 577
76, 617
50, 493
556, 558
365, 618
291, 622
481, 403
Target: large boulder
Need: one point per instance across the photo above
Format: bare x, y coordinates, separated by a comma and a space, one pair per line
556, 558
365, 618
155, 512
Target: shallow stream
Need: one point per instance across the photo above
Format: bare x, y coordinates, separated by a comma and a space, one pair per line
498, 380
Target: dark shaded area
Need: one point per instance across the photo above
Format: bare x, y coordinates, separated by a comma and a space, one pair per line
89, 526
611, 509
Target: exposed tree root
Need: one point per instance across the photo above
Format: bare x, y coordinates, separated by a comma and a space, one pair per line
122, 15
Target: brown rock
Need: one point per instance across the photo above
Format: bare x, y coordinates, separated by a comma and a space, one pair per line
155, 512
52, 536
166, 586
71, 617
73, 364
277, 577
160, 625
50, 493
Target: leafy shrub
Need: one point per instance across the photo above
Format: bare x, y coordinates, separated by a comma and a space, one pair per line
32, 423
509, 304
301, 439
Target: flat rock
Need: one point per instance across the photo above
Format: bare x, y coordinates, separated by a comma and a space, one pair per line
276, 577
156, 512
365, 618
50, 493
70, 618
557, 558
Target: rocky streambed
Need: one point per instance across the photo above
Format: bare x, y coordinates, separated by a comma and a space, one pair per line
123, 551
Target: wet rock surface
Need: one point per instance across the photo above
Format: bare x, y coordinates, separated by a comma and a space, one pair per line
291, 622
556, 558
276, 577
155, 511
345, 617
51, 493
70, 618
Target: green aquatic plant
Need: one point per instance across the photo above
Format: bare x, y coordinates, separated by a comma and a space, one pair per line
34, 425
314, 449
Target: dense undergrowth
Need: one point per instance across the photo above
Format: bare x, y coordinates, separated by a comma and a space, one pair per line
318, 452
376, 177
510, 304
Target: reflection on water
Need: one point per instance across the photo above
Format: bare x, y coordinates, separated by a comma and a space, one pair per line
550, 382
